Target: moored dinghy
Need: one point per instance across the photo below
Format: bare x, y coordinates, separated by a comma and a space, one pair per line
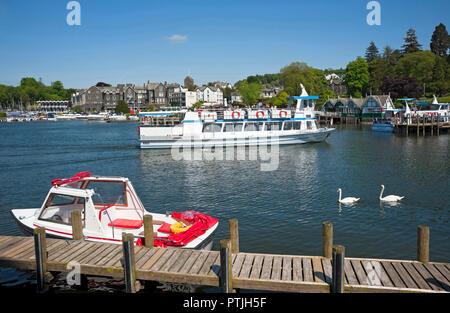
110, 206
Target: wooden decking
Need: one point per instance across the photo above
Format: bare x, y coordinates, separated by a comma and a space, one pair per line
283, 273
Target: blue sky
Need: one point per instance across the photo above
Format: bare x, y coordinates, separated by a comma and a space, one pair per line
130, 41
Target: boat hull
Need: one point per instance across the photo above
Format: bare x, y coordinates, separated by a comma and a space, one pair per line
193, 142
385, 128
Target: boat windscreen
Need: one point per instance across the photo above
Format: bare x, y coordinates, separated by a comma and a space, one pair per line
107, 192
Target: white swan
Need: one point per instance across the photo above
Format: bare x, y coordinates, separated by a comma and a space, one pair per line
390, 198
346, 200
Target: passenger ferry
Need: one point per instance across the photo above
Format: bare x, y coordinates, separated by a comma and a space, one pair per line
110, 206
237, 127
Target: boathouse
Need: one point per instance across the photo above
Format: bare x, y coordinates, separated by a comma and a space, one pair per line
350, 107
375, 105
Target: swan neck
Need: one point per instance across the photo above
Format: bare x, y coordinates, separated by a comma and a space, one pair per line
381, 193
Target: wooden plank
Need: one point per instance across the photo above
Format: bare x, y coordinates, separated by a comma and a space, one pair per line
431, 281
199, 262
88, 258
140, 253
148, 254
407, 279
237, 263
267, 267
438, 276
276, 268
162, 260
247, 266
393, 275
189, 262
206, 268
102, 254
181, 260
257, 267
382, 275
19, 248
281, 286
418, 279
79, 251
350, 275
297, 270
444, 271
328, 270
360, 273
373, 273
319, 276
153, 259
308, 274
114, 254
286, 272
64, 252
9, 243
215, 268
175, 256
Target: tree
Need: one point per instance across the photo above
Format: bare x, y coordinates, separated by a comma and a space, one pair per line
401, 87
189, 83
250, 92
357, 77
122, 107
372, 52
419, 65
411, 44
280, 99
440, 41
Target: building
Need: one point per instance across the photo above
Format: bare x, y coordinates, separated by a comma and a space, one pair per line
53, 106
182, 97
367, 107
336, 84
210, 94
236, 97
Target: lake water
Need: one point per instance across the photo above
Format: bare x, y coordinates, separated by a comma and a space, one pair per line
279, 211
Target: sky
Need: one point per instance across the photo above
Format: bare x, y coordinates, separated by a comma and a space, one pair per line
136, 41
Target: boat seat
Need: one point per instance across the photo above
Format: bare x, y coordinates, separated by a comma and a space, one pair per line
125, 223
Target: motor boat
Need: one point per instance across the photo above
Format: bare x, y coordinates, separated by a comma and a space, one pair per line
109, 206
237, 127
382, 125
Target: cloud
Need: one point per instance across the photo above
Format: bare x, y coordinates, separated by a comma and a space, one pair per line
177, 38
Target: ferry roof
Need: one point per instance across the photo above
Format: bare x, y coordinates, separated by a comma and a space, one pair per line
303, 98
407, 99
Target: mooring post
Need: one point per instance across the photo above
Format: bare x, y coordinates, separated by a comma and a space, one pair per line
226, 267
40, 249
77, 225
148, 231
327, 240
337, 283
423, 244
129, 263
234, 235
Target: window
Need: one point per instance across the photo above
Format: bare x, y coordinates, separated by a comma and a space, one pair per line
212, 127
296, 125
253, 126
308, 124
273, 126
58, 208
287, 126
107, 192
229, 127
238, 127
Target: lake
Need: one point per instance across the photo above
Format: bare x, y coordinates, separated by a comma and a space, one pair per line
279, 211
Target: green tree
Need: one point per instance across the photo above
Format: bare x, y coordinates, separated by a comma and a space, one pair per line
280, 99
250, 92
372, 52
357, 77
122, 107
77, 109
440, 41
411, 44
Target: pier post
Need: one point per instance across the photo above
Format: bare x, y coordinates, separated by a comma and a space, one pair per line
423, 244
337, 283
234, 235
77, 225
226, 266
148, 231
129, 263
417, 116
40, 249
327, 239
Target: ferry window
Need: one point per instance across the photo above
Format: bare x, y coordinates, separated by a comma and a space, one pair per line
273, 126
229, 127
308, 125
252, 126
238, 127
58, 208
212, 127
296, 125
287, 126
108, 192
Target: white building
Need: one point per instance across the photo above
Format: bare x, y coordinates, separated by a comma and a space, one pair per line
183, 97
210, 94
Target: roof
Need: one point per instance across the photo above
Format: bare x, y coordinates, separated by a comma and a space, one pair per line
303, 98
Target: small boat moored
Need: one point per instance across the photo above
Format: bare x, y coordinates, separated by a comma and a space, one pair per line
382, 125
109, 206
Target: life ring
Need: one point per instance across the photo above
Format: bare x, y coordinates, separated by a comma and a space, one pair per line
178, 227
285, 113
238, 113
257, 113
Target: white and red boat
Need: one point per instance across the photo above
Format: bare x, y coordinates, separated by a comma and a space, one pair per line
110, 206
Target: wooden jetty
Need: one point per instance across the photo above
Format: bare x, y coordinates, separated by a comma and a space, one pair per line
228, 268
421, 125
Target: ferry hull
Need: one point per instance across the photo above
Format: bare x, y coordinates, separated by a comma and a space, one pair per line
193, 142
